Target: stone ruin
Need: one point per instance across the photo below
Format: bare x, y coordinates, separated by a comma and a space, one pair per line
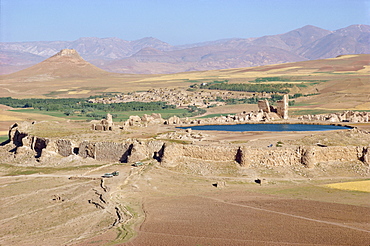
171, 154
104, 124
144, 120
346, 116
281, 109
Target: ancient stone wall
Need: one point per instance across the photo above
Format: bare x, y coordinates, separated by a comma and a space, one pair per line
38, 144
112, 151
264, 106
271, 157
246, 156
86, 149
64, 147
172, 154
337, 153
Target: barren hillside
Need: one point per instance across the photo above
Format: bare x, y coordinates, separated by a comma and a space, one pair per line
153, 56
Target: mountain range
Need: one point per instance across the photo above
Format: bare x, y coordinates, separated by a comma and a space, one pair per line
153, 56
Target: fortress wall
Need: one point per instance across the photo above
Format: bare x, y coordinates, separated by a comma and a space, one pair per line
64, 147
174, 152
337, 153
86, 149
308, 156
111, 151
145, 150
170, 154
270, 157
209, 152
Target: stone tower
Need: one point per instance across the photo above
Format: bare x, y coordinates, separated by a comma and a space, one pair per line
282, 107
109, 120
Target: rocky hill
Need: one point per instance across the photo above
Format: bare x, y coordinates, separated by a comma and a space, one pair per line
65, 64
150, 55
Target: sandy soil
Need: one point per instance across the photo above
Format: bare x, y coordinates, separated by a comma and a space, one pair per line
239, 217
166, 207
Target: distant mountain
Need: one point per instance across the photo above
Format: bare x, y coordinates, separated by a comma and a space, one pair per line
65, 64
150, 55
354, 39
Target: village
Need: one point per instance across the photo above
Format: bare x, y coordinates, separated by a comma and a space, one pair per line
177, 96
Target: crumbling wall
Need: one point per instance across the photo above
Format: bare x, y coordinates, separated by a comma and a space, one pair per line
64, 147
110, 151
282, 156
38, 144
246, 156
86, 149
308, 156
173, 152
264, 106
337, 153
16, 137
365, 157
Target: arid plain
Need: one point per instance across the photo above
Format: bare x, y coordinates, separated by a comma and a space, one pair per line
56, 200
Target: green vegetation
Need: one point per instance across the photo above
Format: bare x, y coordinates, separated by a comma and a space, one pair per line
279, 144
80, 109
78, 104
3, 139
251, 100
117, 117
287, 79
269, 88
269, 79
302, 95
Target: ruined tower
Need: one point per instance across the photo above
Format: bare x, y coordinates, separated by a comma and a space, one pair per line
264, 106
282, 107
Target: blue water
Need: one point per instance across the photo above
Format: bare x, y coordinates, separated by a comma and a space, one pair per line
266, 127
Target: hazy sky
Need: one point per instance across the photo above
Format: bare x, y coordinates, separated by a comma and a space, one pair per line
172, 21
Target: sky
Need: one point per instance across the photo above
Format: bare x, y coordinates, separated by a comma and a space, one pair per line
173, 21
